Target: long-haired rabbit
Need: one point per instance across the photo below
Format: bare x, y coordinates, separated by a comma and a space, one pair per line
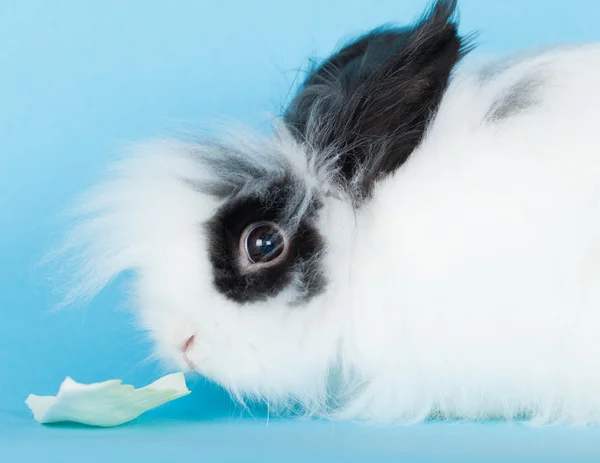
415, 239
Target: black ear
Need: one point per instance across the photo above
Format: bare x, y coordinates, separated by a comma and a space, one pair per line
370, 103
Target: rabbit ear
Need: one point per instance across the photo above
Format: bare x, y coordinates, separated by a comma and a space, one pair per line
370, 103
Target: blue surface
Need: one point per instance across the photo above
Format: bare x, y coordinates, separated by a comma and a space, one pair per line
79, 77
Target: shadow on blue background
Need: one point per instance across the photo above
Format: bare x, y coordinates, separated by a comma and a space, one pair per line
80, 77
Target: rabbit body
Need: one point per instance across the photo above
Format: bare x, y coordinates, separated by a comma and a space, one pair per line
442, 256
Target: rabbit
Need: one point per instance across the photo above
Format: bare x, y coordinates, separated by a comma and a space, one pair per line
416, 238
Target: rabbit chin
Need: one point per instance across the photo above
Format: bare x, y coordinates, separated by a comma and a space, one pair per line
467, 286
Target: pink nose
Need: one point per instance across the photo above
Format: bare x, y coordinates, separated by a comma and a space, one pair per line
187, 344
184, 349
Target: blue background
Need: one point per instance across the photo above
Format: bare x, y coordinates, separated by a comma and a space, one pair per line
80, 77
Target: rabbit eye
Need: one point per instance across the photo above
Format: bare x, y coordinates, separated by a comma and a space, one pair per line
264, 243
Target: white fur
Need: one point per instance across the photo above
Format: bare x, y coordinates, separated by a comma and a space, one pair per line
469, 286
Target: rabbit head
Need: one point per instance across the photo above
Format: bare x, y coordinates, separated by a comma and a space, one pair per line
243, 249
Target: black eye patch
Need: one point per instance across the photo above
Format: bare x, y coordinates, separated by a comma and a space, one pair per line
301, 264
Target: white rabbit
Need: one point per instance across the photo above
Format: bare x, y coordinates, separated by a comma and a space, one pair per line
415, 239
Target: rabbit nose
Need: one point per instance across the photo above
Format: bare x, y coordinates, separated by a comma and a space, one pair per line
188, 343
185, 347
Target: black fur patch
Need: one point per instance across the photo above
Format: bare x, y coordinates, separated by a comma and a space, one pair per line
301, 266
371, 102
